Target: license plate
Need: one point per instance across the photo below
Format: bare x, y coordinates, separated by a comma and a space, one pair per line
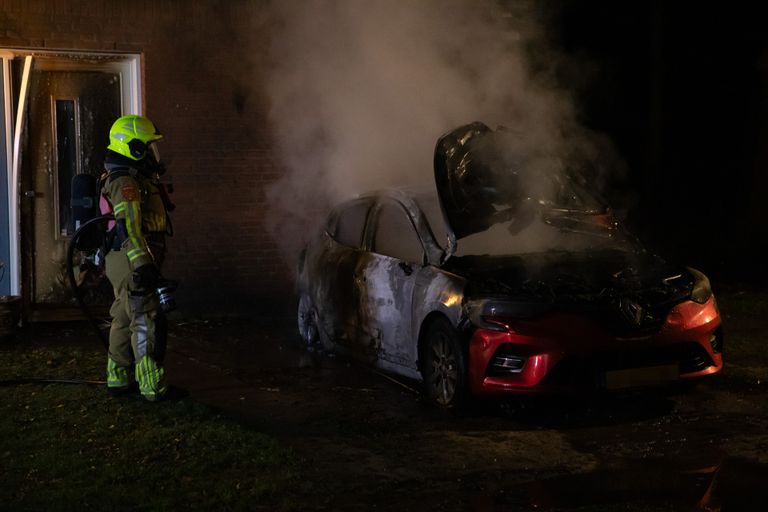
641, 377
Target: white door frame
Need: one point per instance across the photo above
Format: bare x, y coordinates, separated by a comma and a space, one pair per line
128, 66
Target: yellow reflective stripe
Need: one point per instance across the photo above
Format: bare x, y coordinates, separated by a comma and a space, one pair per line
120, 207
141, 375
146, 380
116, 376
150, 376
152, 224
135, 254
133, 224
136, 257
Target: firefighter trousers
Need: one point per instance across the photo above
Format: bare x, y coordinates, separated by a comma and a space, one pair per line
137, 335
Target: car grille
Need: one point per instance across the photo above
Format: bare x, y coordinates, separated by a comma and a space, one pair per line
641, 313
630, 318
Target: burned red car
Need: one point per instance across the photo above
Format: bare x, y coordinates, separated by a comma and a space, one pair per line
530, 285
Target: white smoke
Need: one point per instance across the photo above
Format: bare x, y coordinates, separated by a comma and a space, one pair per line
361, 90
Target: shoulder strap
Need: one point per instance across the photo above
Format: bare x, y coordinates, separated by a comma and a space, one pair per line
117, 172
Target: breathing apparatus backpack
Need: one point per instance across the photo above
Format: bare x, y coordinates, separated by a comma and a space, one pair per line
88, 204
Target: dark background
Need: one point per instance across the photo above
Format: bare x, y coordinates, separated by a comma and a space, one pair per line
682, 91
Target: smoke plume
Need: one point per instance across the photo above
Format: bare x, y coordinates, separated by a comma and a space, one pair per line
361, 90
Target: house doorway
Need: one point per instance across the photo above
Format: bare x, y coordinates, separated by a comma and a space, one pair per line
64, 105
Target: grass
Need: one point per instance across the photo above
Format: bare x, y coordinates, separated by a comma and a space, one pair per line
71, 447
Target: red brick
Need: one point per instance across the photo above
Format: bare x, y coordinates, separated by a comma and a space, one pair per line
219, 168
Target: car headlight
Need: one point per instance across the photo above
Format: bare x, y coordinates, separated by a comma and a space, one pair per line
702, 290
499, 314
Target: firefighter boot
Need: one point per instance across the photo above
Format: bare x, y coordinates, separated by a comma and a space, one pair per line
151, 379
118, 382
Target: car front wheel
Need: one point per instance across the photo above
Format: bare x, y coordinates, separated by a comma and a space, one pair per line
444, 366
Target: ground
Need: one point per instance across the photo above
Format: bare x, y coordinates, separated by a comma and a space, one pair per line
270, 425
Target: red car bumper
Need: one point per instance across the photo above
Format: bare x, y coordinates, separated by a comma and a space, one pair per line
566, 352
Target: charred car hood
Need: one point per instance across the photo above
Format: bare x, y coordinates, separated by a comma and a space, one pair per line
483, 178
466, 196
590, 281
573, 277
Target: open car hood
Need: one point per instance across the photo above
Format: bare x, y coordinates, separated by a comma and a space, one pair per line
465, 197
483, 178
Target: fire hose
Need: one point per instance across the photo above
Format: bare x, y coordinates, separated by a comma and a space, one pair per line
71, 273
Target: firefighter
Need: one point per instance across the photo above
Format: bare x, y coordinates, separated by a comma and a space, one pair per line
132, 186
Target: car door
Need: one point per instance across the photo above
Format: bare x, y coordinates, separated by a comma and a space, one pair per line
386, 279
335, 293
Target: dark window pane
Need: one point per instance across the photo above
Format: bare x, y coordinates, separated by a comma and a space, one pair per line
66, 151
396, 236
349, 229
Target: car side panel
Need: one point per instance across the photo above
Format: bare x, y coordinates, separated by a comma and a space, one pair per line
386, 294
436, 291
394, 306
330, 269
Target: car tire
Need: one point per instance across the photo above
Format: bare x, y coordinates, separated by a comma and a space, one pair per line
307, 321
444, 366
310, 329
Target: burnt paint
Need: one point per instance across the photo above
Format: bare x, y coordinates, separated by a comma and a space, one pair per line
394, 302
386, 293
368, 305
327, 277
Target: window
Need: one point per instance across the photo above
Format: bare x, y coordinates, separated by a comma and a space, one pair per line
350, 224
66, 161
396, 236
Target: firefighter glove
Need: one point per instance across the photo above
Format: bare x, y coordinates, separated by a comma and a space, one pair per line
146, 277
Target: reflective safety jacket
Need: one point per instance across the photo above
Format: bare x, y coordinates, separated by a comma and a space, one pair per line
137, 200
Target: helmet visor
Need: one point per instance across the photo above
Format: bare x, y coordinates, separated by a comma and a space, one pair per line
155, 151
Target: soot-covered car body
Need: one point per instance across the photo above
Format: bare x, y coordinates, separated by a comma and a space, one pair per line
535, 287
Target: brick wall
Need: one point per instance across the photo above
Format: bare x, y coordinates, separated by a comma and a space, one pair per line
203, 62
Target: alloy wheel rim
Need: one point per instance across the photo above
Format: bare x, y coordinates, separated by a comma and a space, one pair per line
444, 370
